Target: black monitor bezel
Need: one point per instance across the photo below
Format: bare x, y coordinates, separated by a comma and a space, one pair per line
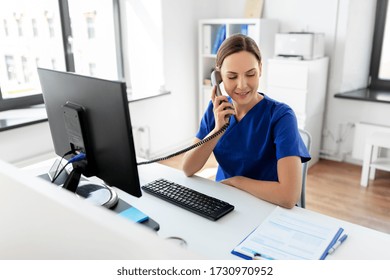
111, 153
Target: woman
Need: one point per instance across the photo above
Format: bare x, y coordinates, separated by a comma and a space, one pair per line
261, 151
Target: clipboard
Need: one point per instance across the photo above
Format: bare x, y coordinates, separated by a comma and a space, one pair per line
289, 234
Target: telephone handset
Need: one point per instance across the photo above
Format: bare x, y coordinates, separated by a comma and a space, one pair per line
216, 79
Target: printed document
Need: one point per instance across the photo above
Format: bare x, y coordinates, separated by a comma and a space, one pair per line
290, 234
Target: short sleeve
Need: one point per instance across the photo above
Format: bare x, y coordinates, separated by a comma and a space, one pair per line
207, 123
288, 141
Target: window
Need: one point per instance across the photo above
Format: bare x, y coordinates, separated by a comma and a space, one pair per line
19, 21
50, 23
112, 39
34, 27
380, 60
143, 46
5, 25
20, 50
90, 18
92, 38
10, 66
26, 70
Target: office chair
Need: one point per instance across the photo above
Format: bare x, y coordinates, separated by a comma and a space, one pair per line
306, 137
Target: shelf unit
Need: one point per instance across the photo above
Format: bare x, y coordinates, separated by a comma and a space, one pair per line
301, 84
261, 30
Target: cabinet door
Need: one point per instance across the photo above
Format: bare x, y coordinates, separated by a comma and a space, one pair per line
295, 98
288, 75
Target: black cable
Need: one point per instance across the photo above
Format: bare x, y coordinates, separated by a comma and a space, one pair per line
77, 157
59, 173
188, 148
58, 165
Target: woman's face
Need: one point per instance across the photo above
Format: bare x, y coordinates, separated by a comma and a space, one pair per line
240, 74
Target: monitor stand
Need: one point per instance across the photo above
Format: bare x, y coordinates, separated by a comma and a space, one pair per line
97, 193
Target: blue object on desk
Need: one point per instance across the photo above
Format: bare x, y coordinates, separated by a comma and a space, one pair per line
134, 215
338, 243
334, 241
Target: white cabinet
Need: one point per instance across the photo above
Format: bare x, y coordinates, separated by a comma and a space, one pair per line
302, 85
261, 30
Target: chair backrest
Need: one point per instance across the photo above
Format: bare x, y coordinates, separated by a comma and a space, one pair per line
306, 137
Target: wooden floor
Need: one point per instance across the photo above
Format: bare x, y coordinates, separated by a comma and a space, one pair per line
333, 188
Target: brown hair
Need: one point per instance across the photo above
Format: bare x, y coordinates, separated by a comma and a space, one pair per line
234, 44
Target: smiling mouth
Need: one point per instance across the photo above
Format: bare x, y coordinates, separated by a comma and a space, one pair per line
242, 93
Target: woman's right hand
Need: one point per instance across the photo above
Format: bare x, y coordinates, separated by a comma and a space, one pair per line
222, 109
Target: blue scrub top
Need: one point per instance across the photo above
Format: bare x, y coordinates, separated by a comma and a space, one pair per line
252, 146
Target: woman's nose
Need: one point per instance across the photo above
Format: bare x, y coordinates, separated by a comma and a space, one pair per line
241, 82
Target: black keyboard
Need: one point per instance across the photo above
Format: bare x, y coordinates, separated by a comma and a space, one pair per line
196, 202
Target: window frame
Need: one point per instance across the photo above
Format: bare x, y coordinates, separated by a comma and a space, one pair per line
35, 99
20, 102
121, 59
379, 30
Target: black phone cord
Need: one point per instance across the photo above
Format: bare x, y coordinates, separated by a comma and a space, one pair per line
223, 129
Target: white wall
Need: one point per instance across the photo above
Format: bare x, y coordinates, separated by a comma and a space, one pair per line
352, 57
171, 119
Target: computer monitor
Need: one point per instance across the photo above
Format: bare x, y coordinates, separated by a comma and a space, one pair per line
91, 115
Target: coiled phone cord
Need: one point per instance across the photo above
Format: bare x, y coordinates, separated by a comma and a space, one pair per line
223, 129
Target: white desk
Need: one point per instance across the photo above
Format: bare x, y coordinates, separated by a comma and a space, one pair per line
215, 240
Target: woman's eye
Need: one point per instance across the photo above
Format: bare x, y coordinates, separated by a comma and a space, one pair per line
232, 77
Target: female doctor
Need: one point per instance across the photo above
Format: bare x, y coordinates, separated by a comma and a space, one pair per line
261, 151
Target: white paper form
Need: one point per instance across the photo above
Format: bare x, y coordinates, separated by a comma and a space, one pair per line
287, 235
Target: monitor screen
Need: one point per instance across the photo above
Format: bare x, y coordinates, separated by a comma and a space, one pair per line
103, 109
